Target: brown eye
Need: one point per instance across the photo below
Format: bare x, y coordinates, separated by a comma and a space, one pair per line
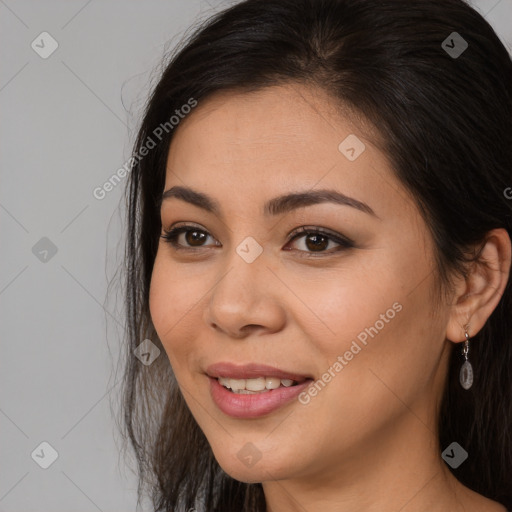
192, 237
195, 237
317, 241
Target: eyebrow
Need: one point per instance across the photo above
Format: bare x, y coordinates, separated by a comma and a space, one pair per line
276, 206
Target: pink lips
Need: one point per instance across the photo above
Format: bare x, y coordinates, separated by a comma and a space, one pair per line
252, 405
251, 371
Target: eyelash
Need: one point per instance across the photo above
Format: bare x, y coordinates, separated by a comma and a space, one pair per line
170, 236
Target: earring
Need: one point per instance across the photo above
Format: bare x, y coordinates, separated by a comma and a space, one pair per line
466, 371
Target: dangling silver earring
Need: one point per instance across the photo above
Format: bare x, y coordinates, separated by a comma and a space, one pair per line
466, 372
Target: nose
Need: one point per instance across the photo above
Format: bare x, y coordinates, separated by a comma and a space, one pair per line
245, 299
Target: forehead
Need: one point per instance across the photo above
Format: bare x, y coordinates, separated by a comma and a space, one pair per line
275, 140
285, 120
288, 117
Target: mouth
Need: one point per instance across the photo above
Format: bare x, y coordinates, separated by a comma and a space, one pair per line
253, 390
253, 376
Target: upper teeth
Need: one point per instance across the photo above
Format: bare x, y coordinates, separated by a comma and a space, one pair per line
258, 384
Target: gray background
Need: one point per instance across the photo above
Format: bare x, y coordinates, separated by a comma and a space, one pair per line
68, 122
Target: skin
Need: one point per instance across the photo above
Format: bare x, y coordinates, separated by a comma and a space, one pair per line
368, 440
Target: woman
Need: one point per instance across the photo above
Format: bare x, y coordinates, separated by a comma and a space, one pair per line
319, 245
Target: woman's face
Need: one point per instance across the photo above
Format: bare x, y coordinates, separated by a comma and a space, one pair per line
345, 311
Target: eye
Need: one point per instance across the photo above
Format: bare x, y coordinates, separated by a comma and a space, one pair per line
193, 236
316, 240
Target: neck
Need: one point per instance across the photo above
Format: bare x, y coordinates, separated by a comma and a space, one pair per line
402, 471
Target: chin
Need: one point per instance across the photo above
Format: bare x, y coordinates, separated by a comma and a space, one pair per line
247, 478
249, 465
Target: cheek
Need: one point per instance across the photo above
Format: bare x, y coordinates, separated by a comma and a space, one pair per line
377, 318
360, 325
172, 298
159, 300
342, 305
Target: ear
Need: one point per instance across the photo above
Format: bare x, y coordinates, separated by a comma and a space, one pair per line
477, 295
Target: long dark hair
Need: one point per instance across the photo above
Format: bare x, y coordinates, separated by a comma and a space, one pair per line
446, 126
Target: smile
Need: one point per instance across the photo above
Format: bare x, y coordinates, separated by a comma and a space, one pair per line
258, 385
253, 390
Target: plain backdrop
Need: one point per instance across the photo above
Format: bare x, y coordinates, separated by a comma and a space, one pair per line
68, 122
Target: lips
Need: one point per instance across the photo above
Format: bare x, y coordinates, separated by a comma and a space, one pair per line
252, 371
250, 404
